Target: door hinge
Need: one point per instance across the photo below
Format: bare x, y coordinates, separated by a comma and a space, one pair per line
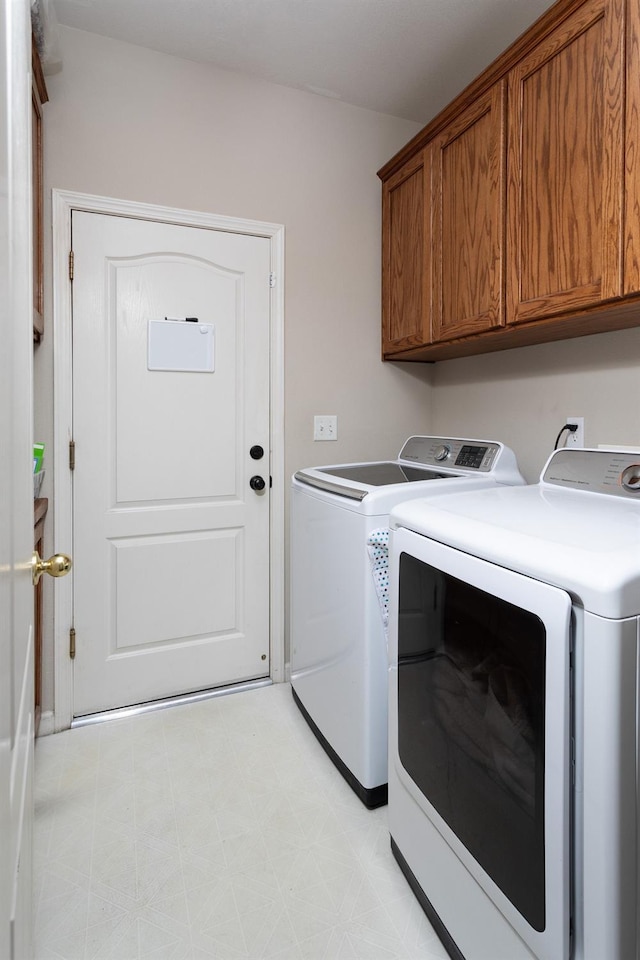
72, 454
272, 279
72, 643
71, 259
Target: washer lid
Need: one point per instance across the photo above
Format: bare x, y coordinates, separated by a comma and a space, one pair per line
422, 459
382, 474
587, 544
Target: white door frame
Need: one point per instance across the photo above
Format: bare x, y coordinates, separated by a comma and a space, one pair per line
64, 202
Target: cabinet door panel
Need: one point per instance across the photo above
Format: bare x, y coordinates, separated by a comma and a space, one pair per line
468, 211
406, 244
565, 167
632, 154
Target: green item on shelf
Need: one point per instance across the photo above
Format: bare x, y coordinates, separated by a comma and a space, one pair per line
38, 457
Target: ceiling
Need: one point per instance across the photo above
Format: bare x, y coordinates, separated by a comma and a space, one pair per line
407, 58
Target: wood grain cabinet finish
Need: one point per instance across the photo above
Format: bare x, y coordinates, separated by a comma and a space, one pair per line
406, 269
535, 196
468, 194
565, 186
631, 278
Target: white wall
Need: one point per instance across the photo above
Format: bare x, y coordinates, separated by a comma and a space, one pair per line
133, 124
524, 396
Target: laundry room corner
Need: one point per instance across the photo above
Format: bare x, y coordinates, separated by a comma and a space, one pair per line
525, 395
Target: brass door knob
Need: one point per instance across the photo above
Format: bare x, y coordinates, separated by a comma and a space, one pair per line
56, 566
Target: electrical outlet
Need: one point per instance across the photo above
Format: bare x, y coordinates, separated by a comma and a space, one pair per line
325, 428
575, 439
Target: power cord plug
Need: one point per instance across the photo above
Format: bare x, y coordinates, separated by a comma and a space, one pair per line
569, 428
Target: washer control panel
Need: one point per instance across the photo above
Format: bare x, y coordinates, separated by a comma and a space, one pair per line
474, 455
595, 471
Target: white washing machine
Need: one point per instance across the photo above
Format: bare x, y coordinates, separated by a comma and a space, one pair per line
514, 758
339, 660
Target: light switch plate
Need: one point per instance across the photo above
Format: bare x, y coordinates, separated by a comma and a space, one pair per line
325, 427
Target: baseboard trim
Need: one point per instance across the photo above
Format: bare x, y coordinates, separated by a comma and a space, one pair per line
46, 725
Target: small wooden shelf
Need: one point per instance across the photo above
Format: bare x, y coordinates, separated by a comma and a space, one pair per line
40, 507
39, 96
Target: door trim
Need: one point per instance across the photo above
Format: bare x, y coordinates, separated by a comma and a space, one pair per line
63, 203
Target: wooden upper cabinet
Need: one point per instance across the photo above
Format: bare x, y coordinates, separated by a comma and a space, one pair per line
530, 231
406, 247
468, 204
631, 278
565, 167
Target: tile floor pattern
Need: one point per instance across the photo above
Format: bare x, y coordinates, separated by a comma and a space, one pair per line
214, 830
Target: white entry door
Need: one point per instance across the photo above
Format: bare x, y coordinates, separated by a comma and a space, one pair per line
170, 413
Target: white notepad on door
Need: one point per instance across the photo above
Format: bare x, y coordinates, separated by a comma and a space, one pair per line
181, 345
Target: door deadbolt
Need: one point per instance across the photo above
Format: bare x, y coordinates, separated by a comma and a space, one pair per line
256, 452
257, 483
56, 566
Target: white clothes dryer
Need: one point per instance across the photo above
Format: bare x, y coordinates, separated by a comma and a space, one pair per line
514, 747
339, 658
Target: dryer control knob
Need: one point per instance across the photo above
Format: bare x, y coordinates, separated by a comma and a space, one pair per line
631, 478
442, 452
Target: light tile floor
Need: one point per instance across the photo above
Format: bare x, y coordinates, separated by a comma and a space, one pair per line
218, 829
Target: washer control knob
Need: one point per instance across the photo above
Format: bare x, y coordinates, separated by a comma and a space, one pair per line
631, 478
442, 452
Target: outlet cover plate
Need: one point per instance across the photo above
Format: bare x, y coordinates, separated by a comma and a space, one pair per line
575, 439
